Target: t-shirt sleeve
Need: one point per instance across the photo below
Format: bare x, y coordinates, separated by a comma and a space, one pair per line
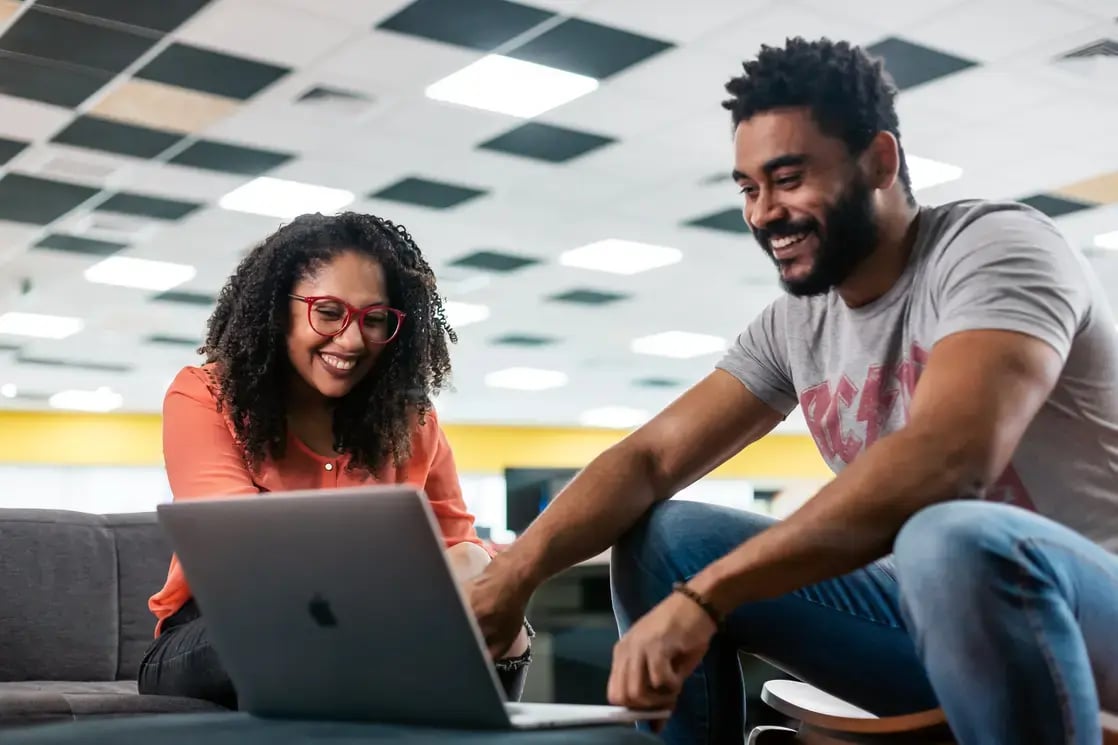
199, 451
759, 359
444, 490
1011, 270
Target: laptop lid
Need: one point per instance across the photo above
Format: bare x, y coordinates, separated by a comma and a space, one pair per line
336, 604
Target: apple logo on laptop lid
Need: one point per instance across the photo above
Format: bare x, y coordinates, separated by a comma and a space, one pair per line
319, 608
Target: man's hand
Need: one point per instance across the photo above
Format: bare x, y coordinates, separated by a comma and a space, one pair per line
498, 602
651, 662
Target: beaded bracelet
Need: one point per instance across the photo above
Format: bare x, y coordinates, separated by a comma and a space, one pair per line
699, 600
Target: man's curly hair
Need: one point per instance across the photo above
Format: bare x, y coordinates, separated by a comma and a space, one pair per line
246, 340
849, 93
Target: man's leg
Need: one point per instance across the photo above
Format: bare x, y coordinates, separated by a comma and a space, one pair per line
1015, 618
845, 636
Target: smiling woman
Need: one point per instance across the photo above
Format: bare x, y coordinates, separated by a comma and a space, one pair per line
322, 357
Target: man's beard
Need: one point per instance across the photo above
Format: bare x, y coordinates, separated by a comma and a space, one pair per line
850, 237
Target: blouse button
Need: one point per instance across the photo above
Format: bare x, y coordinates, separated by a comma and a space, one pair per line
329, 466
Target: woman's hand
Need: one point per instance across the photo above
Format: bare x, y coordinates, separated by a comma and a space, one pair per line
502, 624
499, 605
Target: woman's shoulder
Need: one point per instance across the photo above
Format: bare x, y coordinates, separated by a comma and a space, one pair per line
426, 433
198, 383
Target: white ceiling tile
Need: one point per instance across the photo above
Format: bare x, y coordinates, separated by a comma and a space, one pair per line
982, 29
691, 78
615, 111
23, 119
968, 95
395, 62
179, 182
669, 20
15, 237
266, 31
333, 173
363, 13
886, 15
778, 22
1103, 10
446, 126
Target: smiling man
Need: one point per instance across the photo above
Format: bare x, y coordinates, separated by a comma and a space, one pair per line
958, 368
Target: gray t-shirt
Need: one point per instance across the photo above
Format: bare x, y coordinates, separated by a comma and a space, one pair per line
974, 265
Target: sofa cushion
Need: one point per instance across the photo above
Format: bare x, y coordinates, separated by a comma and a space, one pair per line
25, 703
58, 620
142, 558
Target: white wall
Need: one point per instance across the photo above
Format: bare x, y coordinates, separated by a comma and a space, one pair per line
83, 489
134, 489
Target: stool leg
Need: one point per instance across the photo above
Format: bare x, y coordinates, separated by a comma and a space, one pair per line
769, 735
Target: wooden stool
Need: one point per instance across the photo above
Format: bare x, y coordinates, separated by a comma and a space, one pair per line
826, 720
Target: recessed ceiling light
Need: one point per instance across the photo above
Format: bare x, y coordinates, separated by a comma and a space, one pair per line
273, 197
680, 345
463, 314
510, 86
9, 390
39, 326
100, 400
620, 257
526, 379
925, 172
125, 271
1107, 240
613, 417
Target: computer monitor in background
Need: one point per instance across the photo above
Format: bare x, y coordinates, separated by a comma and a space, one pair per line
529, 490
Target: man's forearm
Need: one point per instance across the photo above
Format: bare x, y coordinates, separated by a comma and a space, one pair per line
849, 523
587, 517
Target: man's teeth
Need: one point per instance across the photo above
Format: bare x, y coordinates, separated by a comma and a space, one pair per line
785, 241
337, 362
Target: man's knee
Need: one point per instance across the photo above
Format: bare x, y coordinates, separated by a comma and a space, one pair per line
950, 535
951, 553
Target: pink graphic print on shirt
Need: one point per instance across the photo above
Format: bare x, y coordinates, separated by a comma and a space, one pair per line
845, 418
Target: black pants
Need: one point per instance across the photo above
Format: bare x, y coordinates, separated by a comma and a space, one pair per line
182, 662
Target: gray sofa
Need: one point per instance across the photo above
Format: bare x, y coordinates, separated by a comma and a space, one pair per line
74, 622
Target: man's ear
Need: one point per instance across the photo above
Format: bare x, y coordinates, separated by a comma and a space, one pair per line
883, 160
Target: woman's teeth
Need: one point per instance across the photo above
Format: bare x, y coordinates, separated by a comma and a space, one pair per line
337, 362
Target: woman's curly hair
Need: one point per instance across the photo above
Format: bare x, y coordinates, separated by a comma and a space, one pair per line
246, 340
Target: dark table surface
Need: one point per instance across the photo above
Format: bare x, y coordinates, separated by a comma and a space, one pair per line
242, 729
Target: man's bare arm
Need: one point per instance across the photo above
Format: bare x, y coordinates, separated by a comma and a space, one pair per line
702, 429
977, 395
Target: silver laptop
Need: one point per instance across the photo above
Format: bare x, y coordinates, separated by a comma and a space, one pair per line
340, 604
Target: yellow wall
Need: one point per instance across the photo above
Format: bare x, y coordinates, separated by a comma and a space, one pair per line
135, 440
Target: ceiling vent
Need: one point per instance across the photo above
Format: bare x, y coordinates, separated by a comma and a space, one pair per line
716, 179
335, 101
73, 168
1100, 48
114, 226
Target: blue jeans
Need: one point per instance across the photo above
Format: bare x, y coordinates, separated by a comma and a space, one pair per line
1006, 619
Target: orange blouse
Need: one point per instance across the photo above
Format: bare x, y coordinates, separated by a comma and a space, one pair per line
203, 460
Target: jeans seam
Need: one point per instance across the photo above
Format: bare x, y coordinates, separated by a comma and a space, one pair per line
852, 614
1068, 549
1046, 653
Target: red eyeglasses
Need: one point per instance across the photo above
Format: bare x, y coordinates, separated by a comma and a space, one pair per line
330, 316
